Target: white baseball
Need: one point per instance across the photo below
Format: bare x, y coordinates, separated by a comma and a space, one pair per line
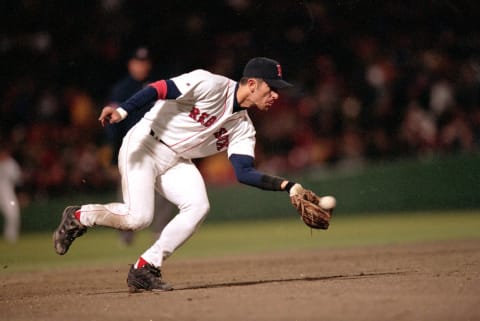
328, 202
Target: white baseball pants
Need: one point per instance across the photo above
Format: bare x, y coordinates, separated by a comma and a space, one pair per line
148, 167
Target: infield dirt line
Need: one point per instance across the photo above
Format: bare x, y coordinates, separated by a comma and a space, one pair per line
361, 275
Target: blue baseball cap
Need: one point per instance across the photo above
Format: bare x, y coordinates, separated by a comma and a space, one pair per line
266, 69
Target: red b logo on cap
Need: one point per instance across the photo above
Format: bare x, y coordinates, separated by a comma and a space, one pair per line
279, 71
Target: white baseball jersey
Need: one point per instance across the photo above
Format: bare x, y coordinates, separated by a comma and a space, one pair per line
201, 121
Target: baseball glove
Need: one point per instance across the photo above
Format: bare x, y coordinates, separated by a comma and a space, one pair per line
307, 205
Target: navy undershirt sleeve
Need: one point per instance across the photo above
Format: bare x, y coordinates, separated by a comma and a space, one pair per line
145, 96
247, 174
244, 170
172, 90
148, 95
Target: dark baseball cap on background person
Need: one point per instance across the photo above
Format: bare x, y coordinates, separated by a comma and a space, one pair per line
267, 69
141, 53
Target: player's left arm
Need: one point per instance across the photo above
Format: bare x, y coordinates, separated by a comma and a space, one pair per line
162, 89
246, 173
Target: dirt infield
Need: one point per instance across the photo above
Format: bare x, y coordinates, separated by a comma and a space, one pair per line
434, 281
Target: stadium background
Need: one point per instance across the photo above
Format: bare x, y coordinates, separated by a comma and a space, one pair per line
384, 114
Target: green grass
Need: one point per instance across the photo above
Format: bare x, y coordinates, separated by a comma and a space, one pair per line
102, 246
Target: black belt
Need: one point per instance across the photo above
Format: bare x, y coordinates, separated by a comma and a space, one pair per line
152, 133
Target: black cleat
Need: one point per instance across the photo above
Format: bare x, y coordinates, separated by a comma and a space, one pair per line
146, 278
68, 230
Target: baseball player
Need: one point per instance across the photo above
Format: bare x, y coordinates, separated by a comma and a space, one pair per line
10, 177
195, 115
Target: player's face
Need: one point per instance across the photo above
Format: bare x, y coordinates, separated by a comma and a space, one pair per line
264, 96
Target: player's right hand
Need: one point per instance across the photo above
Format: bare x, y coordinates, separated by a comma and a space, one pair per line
109, 115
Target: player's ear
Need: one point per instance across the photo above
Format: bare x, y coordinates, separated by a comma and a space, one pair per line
252, 84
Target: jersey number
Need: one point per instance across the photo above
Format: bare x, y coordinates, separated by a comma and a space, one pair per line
222, 139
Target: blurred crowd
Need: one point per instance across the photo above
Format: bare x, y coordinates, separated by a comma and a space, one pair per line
374, 80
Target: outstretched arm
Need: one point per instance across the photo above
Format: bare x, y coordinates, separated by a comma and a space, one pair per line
315, 211
247, 174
